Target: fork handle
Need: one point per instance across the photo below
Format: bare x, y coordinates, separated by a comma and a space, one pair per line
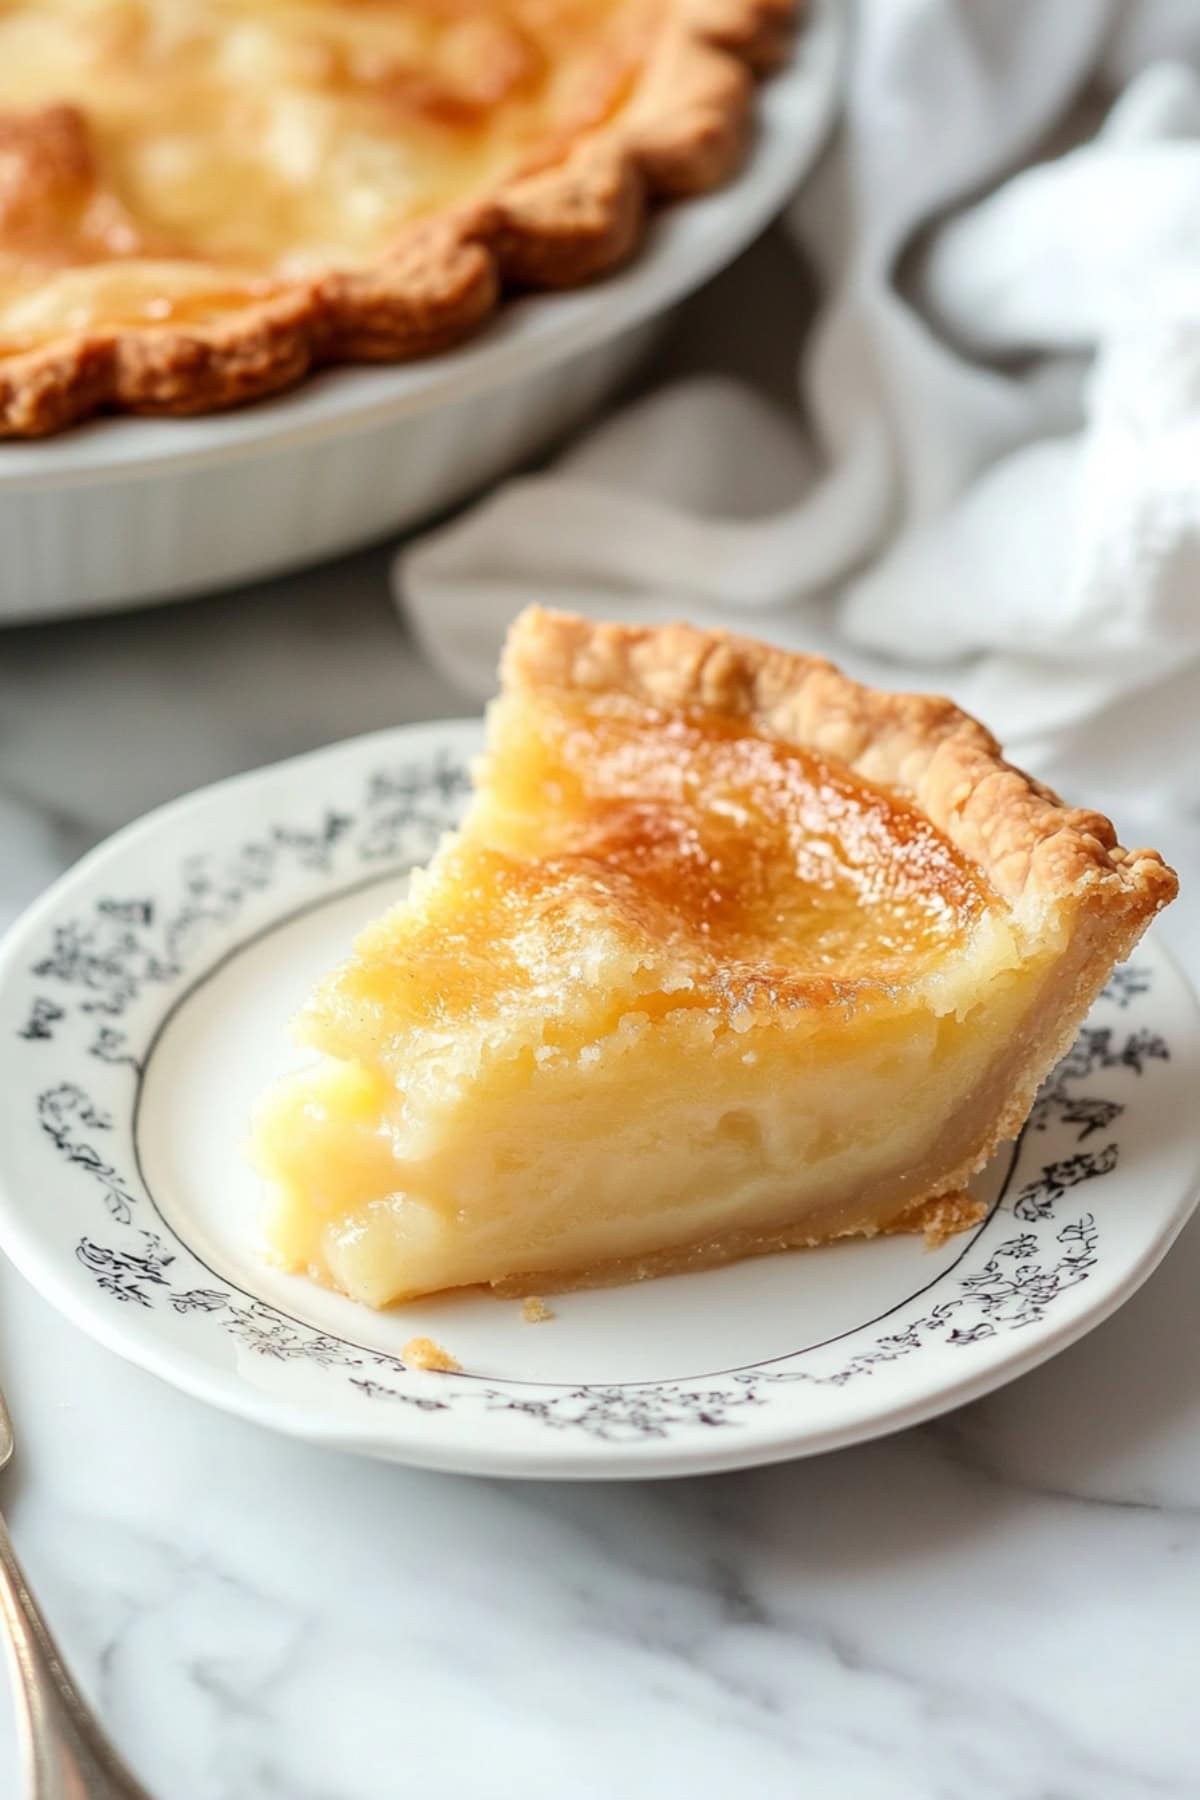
66, 1753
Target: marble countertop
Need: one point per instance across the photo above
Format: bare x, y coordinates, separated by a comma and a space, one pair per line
1003, 1604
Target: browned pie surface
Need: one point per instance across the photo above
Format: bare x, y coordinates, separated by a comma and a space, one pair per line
742, 868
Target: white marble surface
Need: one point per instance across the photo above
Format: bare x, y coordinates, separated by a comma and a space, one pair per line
1004, 1604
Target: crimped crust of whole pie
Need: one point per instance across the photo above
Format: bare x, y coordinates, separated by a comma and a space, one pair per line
683, 131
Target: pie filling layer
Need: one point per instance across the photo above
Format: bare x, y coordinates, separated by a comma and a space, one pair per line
170, 160
677, 990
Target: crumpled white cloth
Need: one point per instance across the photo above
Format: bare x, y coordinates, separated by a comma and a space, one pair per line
989, 484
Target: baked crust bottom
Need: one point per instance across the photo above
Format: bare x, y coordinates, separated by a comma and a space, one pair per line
935, 1220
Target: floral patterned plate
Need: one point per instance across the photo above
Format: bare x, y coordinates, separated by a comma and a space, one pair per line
145, 1001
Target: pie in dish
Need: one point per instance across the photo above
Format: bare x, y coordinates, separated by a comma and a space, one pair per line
729, 954
201, 199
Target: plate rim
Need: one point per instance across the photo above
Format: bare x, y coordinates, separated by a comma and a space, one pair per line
396, 1438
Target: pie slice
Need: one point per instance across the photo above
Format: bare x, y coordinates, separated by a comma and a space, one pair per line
730, 954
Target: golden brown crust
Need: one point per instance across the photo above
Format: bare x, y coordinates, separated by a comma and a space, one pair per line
1044, 858
683, 133
46, 169
759, 35
559, 228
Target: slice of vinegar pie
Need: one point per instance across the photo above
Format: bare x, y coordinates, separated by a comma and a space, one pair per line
730, 954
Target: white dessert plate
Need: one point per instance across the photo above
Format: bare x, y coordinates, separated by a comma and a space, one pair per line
145, 1000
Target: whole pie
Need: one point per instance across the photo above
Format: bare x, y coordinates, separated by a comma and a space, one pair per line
201, 199
729, 954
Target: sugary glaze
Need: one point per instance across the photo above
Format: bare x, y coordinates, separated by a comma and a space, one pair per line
763, 865
171, 160
731, 869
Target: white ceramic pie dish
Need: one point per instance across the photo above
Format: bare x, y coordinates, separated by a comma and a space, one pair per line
144, 1003
131, 510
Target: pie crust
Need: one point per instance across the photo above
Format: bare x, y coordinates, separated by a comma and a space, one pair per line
731, 954
683, 130
1037, 852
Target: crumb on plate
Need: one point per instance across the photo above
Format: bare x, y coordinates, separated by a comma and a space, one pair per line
534, 1310
423, 1353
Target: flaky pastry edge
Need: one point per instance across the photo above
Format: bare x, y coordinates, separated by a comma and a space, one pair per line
1039, 854
684, 132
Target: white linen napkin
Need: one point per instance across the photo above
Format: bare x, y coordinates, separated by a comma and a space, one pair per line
990, 484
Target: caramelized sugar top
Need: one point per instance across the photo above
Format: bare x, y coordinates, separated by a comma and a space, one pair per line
678, 857
766, 858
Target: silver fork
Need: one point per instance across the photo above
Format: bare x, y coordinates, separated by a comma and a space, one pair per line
66, 1753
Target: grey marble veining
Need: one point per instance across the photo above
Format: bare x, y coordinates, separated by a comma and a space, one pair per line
1002, 1604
